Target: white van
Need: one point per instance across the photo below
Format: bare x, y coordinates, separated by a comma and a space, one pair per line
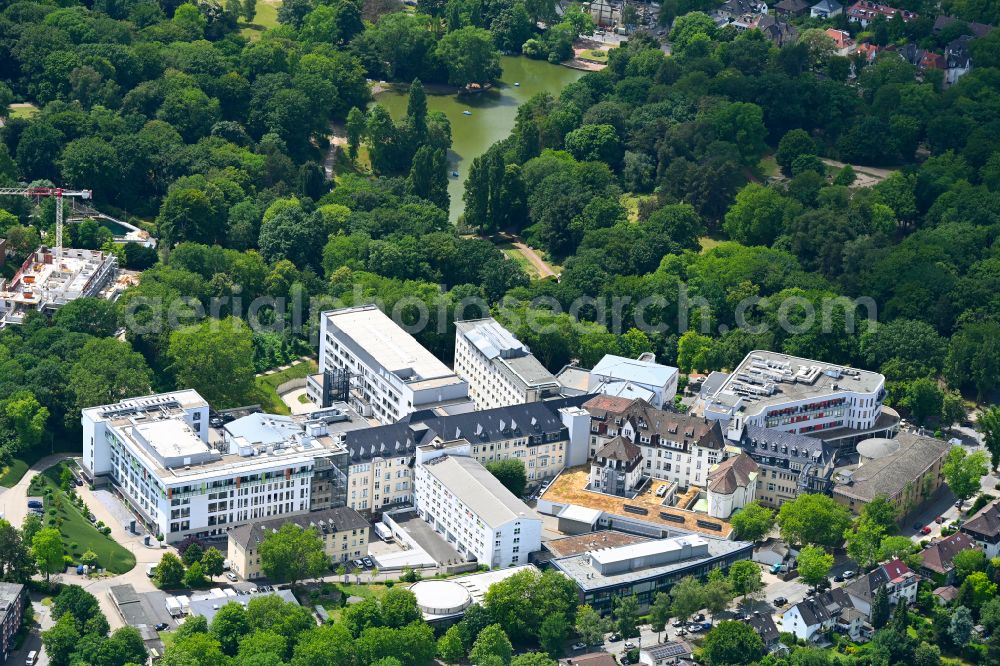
150, 570
32, 658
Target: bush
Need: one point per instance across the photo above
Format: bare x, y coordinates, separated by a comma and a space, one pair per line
390, 583
68, 561
106, 531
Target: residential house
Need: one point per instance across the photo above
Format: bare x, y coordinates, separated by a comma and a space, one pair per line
868, 51
732, 484
826, 9
984, 528
665, 654
739, 14
945, 594
866, 12
815, 615
791, 8
899, 583
591, 659
778, 32
936, 562
842, 41
958, 59
978, 30
764, 625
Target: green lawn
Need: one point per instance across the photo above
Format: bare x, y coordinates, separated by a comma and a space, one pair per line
768, 167
267, 17
267, 394
332, 602
518, 258
597, 55
10, 475
77, 529
707, 243
22, 110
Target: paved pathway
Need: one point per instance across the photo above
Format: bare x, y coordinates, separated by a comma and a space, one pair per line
544, 270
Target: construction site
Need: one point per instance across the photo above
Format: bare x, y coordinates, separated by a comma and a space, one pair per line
46, 282
51, 277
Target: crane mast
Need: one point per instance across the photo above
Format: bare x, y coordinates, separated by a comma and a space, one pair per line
56, 192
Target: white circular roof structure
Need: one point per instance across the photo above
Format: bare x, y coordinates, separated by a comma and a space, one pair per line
877, 447
441, 597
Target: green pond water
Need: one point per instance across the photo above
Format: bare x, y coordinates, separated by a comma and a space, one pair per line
493, 113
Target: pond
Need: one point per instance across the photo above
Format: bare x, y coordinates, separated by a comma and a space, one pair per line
493, 113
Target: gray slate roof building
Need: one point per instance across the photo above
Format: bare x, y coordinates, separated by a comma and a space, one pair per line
250, 535
779, 451
534, 420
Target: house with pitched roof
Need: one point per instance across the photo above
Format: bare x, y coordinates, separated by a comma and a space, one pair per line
815, 615
899, 582
936, 558
984, 528
826, 9
616, 469
732, 484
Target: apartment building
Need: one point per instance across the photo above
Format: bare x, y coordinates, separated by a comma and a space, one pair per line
179, 478
790, 464
835, 403
499, 368
344, 533
543, 435
472, 510
675, 447
380, 369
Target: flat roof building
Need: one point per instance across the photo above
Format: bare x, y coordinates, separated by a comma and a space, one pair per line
388, 373
179, 477
829, 401
500, 369
647, 568
46, 282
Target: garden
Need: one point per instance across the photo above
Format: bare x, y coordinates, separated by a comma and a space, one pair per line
84, 542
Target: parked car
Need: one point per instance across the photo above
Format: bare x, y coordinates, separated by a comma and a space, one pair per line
939, 520
162, 626
578, 646
615, 637
358, 564
32, 658
35, 504
368, 562
839, 578
231, 576
850, 573
780, 601
677, 623
700, 617
681, 632
629, 645
925, 530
